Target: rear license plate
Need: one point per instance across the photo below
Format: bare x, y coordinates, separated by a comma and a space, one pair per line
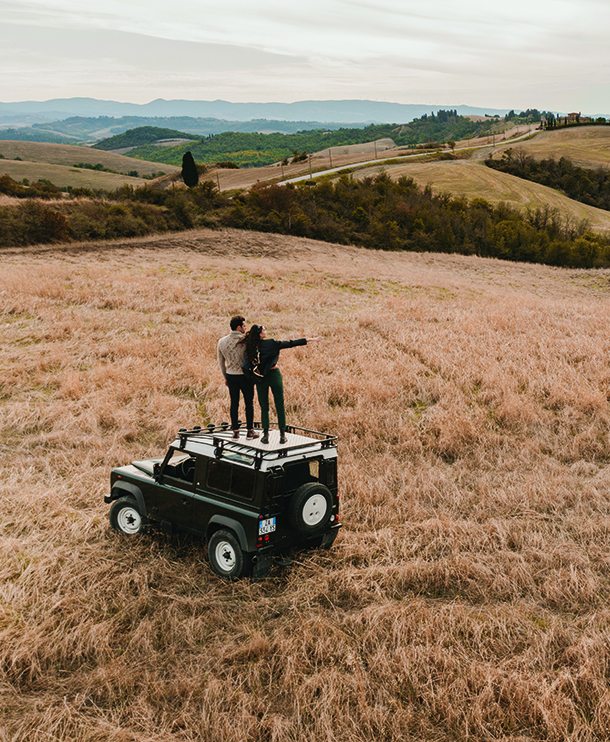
266, 526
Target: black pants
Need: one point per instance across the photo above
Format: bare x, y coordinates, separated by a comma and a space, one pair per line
239, 383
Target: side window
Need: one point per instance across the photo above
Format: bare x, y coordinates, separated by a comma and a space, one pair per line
243, 482
231, 479
219, 476
329, 472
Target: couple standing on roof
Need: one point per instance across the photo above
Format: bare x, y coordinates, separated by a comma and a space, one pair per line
254, 345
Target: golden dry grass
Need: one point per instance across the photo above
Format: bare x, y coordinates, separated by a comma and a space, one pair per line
587, 146
467, 595
69, 154
63, 176
55, 162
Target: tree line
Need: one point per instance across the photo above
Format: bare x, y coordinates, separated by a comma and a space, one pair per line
375, 212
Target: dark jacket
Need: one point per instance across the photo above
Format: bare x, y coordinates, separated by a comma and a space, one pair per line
269, 351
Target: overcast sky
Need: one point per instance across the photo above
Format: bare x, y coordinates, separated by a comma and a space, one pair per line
547, 54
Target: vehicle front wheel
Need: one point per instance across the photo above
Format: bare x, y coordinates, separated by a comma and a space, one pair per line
310, 508
226, 556
126, 517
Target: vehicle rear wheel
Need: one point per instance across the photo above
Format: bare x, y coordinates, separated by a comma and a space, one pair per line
310, 508
126, 517
226, 556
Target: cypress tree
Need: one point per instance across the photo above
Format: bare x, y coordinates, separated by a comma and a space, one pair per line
189, 170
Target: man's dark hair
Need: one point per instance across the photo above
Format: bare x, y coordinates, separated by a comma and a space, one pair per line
237, 322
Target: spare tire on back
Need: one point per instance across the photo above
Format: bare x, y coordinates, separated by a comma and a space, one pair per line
310, 508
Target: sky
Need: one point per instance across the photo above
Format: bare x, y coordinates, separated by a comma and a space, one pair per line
546, 54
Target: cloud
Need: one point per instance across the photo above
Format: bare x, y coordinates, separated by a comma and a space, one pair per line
105, 63
499, 54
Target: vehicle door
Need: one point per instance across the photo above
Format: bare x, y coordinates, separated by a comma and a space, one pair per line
177, 485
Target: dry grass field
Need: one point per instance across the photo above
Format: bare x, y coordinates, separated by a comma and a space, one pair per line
466, 597
63, 176
70, 154
55, 162
586, 146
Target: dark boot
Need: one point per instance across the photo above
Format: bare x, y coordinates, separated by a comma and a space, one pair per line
282, 435
265, 438
251, 434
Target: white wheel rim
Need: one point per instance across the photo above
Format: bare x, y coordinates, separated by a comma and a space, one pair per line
129, 520
225, 556
314, 510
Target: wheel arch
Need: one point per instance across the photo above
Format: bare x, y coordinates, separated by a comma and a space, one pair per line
120, 489
218, 522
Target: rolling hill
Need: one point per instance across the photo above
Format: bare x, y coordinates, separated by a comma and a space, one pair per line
55, 162
474, 180
586, 146
69, 154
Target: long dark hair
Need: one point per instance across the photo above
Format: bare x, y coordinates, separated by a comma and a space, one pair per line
252, 340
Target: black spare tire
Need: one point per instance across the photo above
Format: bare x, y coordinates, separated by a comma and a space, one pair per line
310, 508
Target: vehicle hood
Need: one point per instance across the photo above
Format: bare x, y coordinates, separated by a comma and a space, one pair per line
146, 465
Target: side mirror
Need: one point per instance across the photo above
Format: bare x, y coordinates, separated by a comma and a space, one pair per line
157, 472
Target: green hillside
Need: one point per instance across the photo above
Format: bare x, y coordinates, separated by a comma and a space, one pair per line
258, 149
141, 136
28, 134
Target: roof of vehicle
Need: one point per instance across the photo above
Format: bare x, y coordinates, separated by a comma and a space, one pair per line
218, 442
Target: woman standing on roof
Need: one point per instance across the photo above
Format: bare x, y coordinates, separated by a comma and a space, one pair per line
266, 351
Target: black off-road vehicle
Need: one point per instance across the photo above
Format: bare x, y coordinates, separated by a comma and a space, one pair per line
252, 501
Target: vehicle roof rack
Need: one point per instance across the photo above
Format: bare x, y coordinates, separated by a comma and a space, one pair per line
252, 449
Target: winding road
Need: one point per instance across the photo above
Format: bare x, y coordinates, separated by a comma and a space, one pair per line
380, 161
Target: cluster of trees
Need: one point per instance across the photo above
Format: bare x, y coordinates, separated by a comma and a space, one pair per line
556, 122
588, 186
442, 126
126, 212
40, 189
399, 215
98, 167
375, 213
141, 136
530, 116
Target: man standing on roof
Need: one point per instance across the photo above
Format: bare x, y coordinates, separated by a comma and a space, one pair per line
231, 352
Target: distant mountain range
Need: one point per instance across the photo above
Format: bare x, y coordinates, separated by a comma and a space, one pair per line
353, 112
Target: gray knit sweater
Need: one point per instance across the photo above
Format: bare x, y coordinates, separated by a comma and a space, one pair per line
231, 353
